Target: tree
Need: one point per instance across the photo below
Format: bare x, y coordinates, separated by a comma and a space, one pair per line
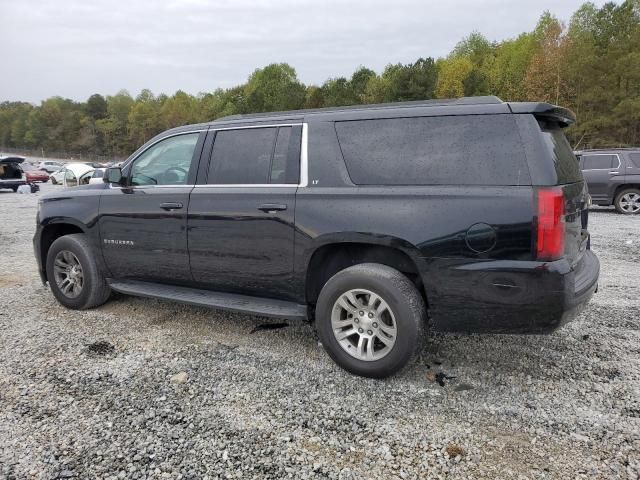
452, 75
96, 106
274, 87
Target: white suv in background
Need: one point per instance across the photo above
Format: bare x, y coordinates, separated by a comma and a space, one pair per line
49, 166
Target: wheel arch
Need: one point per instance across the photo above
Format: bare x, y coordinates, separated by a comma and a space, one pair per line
625, 186
332, 255
51, 232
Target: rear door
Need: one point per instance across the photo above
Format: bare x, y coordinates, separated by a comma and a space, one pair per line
143, 224
241, 212
598, 170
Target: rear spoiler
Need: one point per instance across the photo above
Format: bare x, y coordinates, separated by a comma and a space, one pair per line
545, 111
6, 160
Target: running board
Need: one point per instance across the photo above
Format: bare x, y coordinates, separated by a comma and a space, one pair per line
219, 300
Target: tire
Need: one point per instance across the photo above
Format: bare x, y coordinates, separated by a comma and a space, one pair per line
15, 189
405, 309
93, 289
628, 201
54, 181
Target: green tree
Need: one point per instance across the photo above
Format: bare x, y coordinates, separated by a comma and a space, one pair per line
452, 75
274, 87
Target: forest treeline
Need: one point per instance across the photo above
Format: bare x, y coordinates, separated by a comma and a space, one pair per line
590, 65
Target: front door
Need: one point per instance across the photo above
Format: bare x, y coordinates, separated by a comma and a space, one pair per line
241, 213
143, 224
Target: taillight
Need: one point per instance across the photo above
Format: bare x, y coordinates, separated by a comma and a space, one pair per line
550, 225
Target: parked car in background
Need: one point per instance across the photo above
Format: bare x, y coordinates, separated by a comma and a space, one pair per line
613, 177
11, 173
68, 175
34, 174
57, 177
368, 220
92, 176
50, 166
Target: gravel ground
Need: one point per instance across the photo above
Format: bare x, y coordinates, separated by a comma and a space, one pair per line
145, 389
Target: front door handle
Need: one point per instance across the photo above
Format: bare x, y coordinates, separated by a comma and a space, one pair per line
171, 205
272, 207
614, 173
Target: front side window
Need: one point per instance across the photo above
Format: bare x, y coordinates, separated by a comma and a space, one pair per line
166, 163
599, 162
255, 156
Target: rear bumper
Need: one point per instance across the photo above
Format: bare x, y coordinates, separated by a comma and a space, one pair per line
504, 296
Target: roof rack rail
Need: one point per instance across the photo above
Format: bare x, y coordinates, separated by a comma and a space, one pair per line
483, 100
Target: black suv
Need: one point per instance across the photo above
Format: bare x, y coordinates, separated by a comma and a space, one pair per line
613, 177
366, 219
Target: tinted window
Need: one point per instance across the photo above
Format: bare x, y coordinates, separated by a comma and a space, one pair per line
595, 162
564, 160
253, 156
98, 174
635, 158
462, 150
280, 156
165, 163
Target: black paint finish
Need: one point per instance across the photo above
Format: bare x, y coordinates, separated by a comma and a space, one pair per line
470, 248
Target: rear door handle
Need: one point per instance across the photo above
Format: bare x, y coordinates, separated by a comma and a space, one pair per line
171, 205
272, 207
614, 173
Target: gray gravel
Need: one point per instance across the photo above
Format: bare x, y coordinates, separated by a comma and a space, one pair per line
146, 389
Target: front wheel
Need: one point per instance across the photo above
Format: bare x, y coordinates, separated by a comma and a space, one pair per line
370, 319
628, 201
54, 181
73, 274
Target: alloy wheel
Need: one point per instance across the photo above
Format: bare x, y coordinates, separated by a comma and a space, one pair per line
364, 325
630, 202
68, 275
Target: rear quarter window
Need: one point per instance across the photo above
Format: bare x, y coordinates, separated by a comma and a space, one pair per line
635, 159
565, 162
450, 150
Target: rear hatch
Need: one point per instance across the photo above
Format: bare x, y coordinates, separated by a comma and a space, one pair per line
571, 209
10, 168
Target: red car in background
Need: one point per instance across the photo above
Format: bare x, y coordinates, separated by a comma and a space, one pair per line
34, 175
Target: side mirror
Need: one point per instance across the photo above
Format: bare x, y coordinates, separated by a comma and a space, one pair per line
112, 175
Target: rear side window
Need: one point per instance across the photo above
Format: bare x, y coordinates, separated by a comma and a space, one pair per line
564, 160
599, 162
635, 158
255, 156
454, 150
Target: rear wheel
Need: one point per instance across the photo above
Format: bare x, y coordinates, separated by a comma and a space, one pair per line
371, 319
14, 188
628, 201
74, 275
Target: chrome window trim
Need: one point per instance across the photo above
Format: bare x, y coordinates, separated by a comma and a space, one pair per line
599, 155
304, 174
304, 161
247, 185
245, 127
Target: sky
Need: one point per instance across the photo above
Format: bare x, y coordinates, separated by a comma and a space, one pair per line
74, 48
